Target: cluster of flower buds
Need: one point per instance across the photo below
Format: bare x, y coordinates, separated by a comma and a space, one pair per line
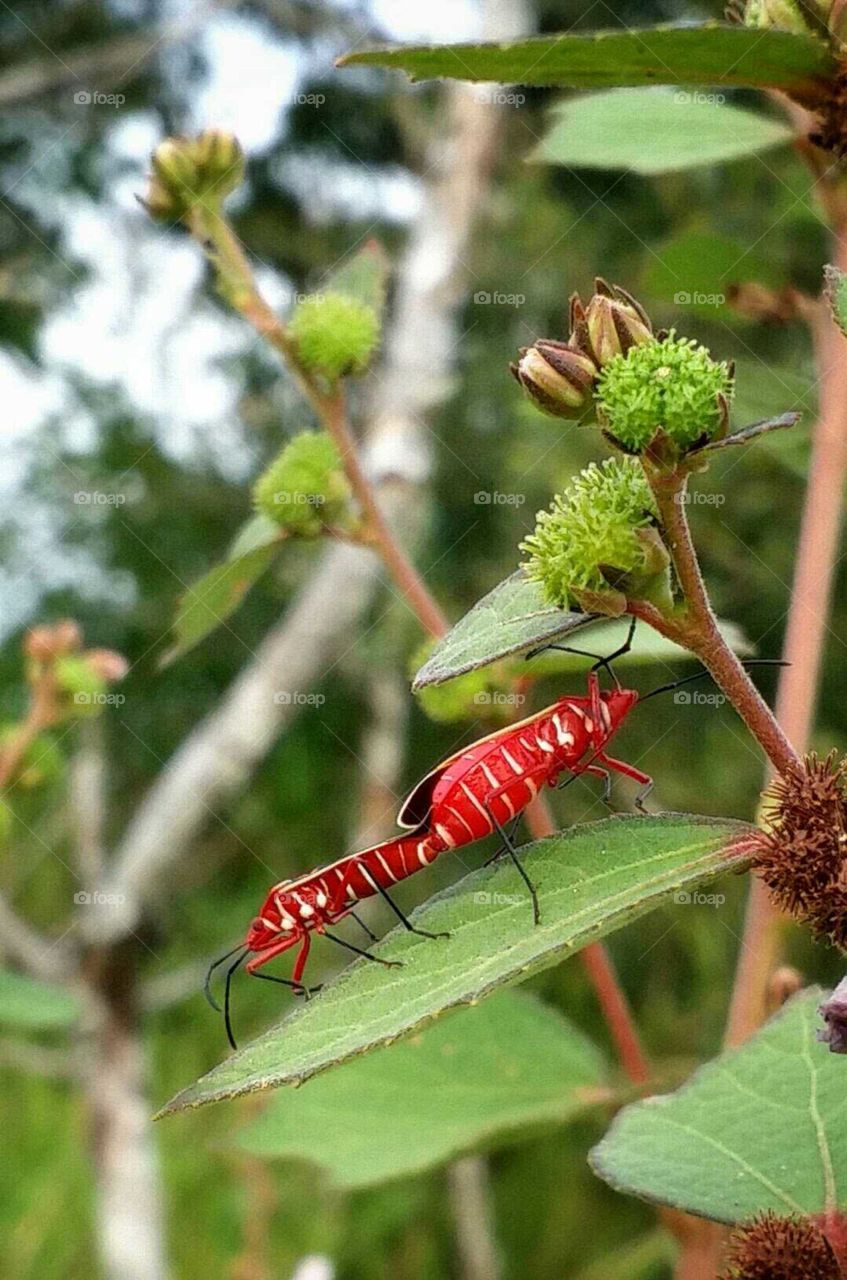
188, 171
560, 376
72, 680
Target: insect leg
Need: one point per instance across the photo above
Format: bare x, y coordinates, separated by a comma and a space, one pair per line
360, 922
207, 987
389, 964
513, 854
383, 893
630, 771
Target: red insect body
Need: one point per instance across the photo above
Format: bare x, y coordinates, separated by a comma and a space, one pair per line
470, 795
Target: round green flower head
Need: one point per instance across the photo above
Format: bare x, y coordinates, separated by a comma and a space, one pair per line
305, 487
601, 526
335, 334
82, 686
672, 384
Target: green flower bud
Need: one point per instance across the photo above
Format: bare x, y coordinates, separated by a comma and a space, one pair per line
598, 543
557, 377
784, 15
335, 334
187, 171
672, 385
82, 687
613, 323
305, 487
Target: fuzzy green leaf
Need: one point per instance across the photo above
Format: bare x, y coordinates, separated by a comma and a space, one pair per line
480, 1077
211, 600
713, 53
30, 1005
654, 130
590, 880
761, 1127
513, 619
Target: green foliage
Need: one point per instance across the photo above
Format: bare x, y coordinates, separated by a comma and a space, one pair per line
594, 528
711, 54
481, 1077
335, 334
672, 384
27, 1004
761, 1127
304, 488
42, 761
591, 880
652, 131
79, 682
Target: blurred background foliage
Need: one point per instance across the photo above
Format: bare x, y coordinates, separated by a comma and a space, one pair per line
124, 374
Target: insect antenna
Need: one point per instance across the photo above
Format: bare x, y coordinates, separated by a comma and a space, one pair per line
704, 674
207, 985
600, 662
230, 971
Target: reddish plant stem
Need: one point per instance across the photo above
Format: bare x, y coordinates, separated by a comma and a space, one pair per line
817, 554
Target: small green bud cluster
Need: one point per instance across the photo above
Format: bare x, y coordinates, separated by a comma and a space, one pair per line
74, 681
335, 334
191, 171
670, 385
598, 543
784, 15
305, 489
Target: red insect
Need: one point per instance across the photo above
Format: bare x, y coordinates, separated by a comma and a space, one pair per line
470, 795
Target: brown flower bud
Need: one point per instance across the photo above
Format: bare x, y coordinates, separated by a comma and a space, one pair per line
834, 1013
614, 322
39, 644
557, 377
783, 983
774, 1248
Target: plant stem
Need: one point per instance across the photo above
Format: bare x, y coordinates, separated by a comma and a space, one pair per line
814, 570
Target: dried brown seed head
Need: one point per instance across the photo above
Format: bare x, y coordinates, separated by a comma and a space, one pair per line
773, 1248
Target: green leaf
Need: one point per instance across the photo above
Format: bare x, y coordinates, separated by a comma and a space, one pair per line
514, 618
710, 54
484, 1076
216, 595
364, 276
761, 1127
590, 880
835, 288
35, 1006
654, 130
696, 270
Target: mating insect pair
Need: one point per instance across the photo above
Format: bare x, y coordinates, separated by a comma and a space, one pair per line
470, 795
